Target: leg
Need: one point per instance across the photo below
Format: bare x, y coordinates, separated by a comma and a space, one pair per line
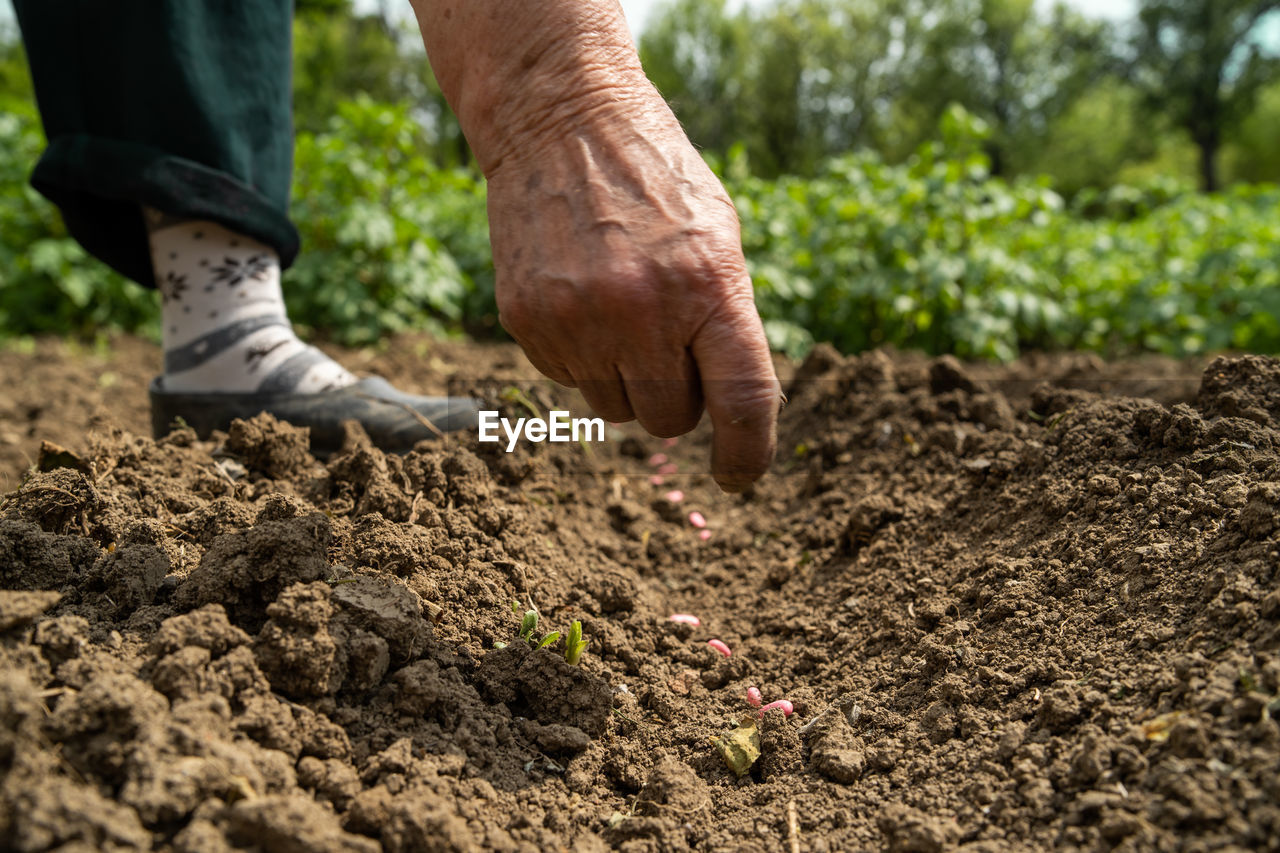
182, 107
182, 110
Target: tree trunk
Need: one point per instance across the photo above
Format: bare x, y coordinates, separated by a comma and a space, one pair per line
995, 153
1209, 144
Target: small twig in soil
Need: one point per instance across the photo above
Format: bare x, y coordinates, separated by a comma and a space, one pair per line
628, 718
415, 508
793, 827
177, 532
416, 414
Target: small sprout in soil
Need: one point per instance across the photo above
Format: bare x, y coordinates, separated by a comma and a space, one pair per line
512, 394
528, 625
657, 459
686, 618
704, 535
697, 519
529, 630
574, 645
674, 496
719, 646
782, 705
754, 699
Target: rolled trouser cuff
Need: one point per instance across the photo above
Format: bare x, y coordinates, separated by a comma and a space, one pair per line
101, 184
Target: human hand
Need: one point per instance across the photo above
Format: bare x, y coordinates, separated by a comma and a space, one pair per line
620, 272
618, 258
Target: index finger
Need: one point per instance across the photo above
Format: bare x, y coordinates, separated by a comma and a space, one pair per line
741, 392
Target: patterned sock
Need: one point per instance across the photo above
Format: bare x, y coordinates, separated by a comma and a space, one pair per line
225, 326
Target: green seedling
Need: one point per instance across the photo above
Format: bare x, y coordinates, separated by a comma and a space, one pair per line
528, 625
512, 394
529, 629
574, 645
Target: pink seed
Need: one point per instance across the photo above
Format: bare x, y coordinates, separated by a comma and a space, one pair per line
704, 535
655, 480
753, 697
781, 705
687, 618
697, 520
669, 468
675, 496
719, 646
669, 442
658, 459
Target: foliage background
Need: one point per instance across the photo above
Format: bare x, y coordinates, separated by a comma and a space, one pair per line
986, 180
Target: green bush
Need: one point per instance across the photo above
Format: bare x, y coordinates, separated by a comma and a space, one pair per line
937, 255
47, 282
933, 254
390, 242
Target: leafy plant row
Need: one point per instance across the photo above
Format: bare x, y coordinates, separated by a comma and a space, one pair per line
934, 254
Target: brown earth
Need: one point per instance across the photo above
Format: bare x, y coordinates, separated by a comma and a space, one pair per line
1014, 608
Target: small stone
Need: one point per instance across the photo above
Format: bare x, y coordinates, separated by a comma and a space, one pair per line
839, 765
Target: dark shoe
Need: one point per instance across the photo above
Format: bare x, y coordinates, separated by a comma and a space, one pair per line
394, 420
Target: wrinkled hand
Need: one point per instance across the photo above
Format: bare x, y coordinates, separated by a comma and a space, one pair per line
620, 272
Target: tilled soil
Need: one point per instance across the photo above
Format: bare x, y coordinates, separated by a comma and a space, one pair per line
1012, 607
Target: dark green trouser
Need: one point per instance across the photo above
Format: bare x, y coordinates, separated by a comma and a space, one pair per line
182, 105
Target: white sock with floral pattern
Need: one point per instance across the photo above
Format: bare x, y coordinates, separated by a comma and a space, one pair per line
225, 325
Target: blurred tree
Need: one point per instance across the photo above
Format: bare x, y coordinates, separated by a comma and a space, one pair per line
793, 83
1006, 61
1199, 62
801, 80
1254, 154
15, 78
339, 54
1101, 133
696, 53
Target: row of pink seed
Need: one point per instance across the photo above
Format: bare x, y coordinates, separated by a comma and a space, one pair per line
754, 699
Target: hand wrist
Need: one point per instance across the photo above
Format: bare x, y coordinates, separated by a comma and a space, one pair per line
521, 75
